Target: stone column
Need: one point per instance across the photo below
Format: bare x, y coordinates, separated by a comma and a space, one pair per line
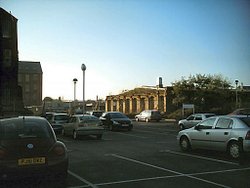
138, 104
146, 102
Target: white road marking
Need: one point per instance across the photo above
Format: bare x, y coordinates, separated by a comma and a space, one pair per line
131, 135
199, 157
83, 180
156, 133
163, 177
167, 170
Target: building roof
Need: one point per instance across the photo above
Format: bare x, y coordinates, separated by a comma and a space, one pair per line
29, 67
5, 13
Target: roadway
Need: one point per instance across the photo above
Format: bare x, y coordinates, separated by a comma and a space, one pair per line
149, 156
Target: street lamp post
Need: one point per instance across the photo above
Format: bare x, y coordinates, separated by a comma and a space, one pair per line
75, 80
236, 94
83, 95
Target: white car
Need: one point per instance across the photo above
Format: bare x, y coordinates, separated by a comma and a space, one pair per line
83, 125
193, 119
224, 133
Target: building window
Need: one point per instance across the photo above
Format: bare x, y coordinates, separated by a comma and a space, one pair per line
7, 57
6, 28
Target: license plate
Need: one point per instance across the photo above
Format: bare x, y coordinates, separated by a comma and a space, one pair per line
124, 125
31, 161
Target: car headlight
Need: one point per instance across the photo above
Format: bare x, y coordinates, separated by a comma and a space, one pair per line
115, 122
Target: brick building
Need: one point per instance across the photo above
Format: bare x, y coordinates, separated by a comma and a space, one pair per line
10, 93
30, 77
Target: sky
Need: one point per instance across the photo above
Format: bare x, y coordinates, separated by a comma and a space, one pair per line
130, 43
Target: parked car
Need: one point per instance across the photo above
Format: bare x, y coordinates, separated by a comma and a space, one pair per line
193, 119
116, 120
57, 120
148, 115
225, 133
83, 125
95, 113
29, 148
241, 111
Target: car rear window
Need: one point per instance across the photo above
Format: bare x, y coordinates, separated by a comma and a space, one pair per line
61, 117
246, 120
156, 113
209, 115
24, 129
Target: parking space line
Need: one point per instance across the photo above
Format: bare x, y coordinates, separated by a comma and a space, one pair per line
82, 180
167, 170
156, 133
131, 135
199, 157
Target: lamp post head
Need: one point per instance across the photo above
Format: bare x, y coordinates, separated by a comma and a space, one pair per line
75, 80
83, 67
236, 82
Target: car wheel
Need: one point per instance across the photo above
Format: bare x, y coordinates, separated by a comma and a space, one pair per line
75, 136
111, 127
181, 127
234, 150
185, 144
147, 120
63, 132
137, 119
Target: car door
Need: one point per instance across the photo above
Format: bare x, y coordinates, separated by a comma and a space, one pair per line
69, 127
221, 133
197, 119
190, 121
201, 135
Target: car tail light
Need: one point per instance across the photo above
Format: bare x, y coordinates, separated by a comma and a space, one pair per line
247, 136
59, 150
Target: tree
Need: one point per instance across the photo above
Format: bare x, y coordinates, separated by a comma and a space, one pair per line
209, 93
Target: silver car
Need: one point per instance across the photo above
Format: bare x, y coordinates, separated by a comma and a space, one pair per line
223, 133
83, 125
148, 115
193, 119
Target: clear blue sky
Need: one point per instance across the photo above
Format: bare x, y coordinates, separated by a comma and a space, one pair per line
130, 43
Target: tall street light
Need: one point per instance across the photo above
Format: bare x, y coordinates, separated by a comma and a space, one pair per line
83, 95
236, 94
75, 80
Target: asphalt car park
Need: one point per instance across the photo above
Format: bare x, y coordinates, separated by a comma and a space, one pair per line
149, 156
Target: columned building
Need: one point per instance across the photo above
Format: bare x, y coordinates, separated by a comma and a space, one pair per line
139, 99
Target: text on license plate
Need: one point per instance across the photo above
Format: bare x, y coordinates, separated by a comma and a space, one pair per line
31, 161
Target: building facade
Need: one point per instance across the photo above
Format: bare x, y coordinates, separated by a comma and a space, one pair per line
139, 99
10, 93
30, 78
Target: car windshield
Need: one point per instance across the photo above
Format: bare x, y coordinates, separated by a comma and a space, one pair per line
117, 115
24, 129
246, 120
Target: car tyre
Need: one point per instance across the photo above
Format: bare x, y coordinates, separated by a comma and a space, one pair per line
75, 136
185, 144
181, 127
147, 120
137, 119
63, 132
111, 127
234, 150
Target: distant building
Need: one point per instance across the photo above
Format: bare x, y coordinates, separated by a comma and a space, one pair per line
30, 78
141, 98
10, 92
